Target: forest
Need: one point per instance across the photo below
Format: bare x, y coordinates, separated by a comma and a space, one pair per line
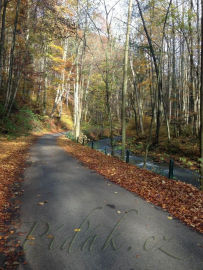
104, 69
101, 134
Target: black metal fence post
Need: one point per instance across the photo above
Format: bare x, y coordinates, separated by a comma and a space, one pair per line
171, 165
127, 156
105, 151
92, 144
83, 141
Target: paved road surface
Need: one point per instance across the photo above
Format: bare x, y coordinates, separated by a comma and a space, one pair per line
75, 219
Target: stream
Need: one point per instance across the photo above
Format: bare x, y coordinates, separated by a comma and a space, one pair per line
180, 173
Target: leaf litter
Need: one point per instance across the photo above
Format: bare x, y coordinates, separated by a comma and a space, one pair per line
12, 164
181, 200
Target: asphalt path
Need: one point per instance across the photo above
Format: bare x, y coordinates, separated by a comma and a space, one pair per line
74, 219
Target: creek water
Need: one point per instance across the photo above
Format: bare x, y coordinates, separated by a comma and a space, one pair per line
180, 173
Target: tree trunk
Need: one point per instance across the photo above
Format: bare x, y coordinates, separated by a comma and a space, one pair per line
3, 21
61, 88
191, 86
157, 69
201, 103
76, 99
125, 80
44, 103
9, 82
15, 90
141, 128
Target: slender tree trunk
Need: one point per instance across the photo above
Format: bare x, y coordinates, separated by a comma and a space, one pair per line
61, 88
78, 94
201, 103
137, 99
108, 105
76, 98
157, 69
44, 102
67, 95
9, 82
108, 87
125, 80
45, 96
86, 94
149, 139
174, 78
159, 83
2, 40
191, 86
15, 90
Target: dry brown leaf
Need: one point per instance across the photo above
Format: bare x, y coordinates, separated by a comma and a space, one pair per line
31, 237
50, 236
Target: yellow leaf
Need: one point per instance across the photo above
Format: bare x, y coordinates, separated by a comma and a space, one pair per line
50, 236
41, 203
30, 237
76, 230
16, 263
170, 218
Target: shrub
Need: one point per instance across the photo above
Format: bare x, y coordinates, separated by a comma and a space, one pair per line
20, 123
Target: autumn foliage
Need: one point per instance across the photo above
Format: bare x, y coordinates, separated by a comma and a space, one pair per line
181, 200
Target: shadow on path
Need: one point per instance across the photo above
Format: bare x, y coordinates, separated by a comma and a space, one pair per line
75, 219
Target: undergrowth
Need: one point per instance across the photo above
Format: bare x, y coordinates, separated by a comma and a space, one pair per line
24, 121
20, 123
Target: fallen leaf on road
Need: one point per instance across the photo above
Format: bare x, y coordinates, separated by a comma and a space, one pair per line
170, 218
50, 236
21, 233
31, 237
119, 212
76, 230
40, 203
116, 192
16, 263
